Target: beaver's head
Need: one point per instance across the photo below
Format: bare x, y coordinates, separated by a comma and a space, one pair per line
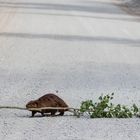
32, 104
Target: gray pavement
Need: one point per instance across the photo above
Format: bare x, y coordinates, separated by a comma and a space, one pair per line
81, 48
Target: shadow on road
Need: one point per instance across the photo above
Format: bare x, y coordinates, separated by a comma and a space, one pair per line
96, 7
124, 19
114, 40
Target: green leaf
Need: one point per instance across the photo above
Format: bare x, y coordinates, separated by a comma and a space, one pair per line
105, 109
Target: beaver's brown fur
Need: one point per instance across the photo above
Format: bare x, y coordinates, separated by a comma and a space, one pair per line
48, 100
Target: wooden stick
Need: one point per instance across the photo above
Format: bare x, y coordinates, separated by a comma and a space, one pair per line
52, 108
13, 107
39, 109
75, 111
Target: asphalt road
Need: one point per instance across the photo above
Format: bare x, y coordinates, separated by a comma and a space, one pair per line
70, 45
81, 48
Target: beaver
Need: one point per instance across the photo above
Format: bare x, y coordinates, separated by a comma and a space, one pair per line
48, 100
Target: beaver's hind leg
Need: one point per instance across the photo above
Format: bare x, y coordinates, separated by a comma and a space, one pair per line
61, 112
53, 112
42, 113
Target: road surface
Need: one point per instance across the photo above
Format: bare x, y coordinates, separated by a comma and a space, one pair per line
80, 48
